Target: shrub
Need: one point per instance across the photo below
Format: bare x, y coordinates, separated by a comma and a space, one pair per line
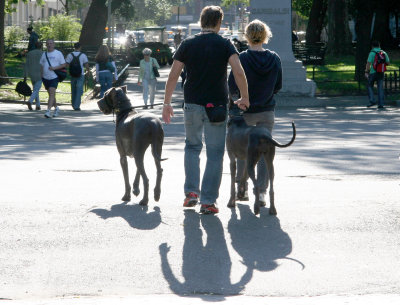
59, 27
13, 34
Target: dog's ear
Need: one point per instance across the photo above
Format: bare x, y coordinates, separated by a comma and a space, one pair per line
124, 89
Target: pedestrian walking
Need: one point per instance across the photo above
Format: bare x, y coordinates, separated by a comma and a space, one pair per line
375, 72
178, 38
264, 78
77, 62
50, 61
33, 70
147, 77
33, 38
205, 56
106, 70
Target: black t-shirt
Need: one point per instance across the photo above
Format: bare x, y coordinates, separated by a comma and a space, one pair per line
206, 59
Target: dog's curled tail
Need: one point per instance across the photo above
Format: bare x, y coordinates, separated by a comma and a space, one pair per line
276, 143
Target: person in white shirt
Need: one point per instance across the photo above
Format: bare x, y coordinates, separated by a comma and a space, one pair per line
50, 61
77, 80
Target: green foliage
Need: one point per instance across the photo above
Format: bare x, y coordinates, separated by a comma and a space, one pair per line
59, 27
65, 27
10, 4
13, 34
227, 3
302, 7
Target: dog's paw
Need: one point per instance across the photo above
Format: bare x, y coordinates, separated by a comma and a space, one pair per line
256, 208
136, 191
231, 204
127, 197
157, 194
144, 201
272, 211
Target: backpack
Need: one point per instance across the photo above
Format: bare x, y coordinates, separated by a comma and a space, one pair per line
379, 64
75, 68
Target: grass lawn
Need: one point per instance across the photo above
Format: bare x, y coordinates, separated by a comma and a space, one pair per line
336, 77
14, 68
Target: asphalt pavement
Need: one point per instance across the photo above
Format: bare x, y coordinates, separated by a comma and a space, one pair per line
67, 238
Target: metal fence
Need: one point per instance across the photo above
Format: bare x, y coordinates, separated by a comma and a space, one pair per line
391, 79
66, 47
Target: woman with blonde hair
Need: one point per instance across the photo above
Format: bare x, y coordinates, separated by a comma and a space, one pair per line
264, 78
105, 68
147, 77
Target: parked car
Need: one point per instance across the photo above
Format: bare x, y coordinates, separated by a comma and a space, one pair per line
156, 39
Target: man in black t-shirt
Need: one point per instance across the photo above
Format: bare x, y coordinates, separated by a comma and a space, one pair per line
205, 57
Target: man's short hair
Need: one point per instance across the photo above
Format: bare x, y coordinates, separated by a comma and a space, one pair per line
210, 16
29, 29
375, 44
77, 45
38, 45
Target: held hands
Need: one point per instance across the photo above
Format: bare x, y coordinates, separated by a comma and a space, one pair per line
243, 103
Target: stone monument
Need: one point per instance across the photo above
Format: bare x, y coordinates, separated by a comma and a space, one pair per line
278, 16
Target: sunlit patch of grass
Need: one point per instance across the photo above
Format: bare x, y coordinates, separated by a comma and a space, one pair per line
15, 68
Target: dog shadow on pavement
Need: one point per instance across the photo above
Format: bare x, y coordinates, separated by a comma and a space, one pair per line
260, 241
136, 216
206, 269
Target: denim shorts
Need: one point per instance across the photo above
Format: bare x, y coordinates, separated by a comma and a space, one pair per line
50, 83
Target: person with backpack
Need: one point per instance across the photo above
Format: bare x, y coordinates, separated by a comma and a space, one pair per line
76, 61
374, 72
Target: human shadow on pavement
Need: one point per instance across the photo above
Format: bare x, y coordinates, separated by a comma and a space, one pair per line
260, 241
206, 268
136, 216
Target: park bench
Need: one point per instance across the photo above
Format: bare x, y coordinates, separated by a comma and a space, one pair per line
310, 54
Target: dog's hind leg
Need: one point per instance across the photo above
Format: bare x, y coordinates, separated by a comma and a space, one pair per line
139, 160
124, 165
157, 189
136, 189
156, 149
252, 159
231, 203
269, 158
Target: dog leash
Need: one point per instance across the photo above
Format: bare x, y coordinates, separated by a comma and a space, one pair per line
157, 104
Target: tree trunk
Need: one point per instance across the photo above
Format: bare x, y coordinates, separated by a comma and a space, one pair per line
2, 47
339, 37
93, 28
363, 24
381, 31
316, 21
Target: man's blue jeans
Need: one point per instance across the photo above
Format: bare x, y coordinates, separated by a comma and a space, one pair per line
378, 78
35, 93
196, 121
77, 91
105, 80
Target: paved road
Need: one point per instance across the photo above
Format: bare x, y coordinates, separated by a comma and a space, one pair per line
65, 235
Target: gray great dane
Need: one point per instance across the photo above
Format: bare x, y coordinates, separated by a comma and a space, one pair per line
134, 133
250, 143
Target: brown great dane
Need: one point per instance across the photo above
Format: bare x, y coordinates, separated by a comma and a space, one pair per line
134, 133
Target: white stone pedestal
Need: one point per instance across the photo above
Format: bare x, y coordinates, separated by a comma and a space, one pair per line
277, 14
